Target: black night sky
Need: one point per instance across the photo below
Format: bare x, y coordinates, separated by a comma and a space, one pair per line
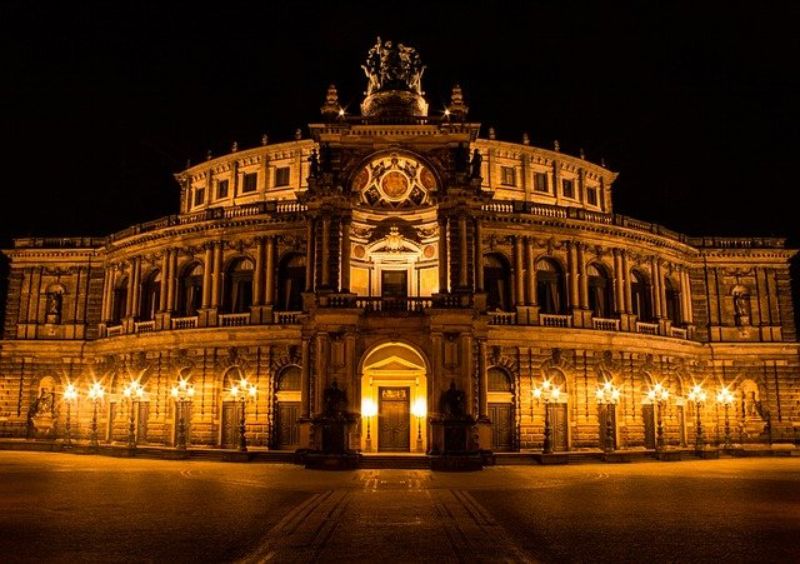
695, 105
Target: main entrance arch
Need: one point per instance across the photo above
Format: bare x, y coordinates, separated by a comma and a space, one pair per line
394, 382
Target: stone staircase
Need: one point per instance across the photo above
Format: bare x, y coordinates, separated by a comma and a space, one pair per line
403, 462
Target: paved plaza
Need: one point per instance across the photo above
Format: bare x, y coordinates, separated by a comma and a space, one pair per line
70, 507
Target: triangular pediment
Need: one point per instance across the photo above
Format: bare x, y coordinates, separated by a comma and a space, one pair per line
394, 363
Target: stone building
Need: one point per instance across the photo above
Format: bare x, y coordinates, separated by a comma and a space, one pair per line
397, 254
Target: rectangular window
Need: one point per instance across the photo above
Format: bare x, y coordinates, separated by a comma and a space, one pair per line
591, 196
508, 176
540, 181
249, 182
222, 189
282, 176
199, 196
568, 188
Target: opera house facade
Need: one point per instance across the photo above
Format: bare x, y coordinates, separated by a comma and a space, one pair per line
403, 270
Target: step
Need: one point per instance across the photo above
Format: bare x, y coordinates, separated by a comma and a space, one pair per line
399, 462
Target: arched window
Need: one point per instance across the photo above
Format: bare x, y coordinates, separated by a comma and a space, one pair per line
151, 295
239, 286
499, 380
289, 379
550, 287
673, 295
118, 309
497, 280
291, 282
599, 291
190, 290
640, 296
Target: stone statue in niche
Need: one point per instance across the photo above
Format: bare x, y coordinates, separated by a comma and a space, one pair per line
53, 307
41, 415
477, 161
741, 306
453, 403
335, 400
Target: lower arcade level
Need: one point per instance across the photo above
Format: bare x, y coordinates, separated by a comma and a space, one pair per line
396, 380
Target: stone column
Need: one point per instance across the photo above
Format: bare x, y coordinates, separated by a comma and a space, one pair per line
258, 275
325, 255
519, 272
310, 257
583, 278
305, 379
686, 294
106, 283
345, 255
165, 280
619, 283
216, 276
463, 280
480, 283
269, 295
531, 274
129, 295
443, 259
662, 289
207, 268
483, 387
573, 274
627, 283
173, 279
655, 287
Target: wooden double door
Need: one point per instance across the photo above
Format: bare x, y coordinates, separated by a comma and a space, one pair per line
394, 429
558, 426
287, 432
502, 417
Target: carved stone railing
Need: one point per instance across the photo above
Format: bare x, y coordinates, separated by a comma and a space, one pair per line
114, 330
647, 328
679, 332
184, 322
498, 207
233, 319
502, 317
245, 210
144, 326
448, 301
605, 324
555, 320
384, 304
290, 207
286, 317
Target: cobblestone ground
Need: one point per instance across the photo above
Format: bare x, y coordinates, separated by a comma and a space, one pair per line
71, 507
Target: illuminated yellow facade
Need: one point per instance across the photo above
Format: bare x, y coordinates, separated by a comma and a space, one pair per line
397, 254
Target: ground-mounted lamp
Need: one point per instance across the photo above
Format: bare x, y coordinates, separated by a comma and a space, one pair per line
243, 391
70, 395
550, 393
419, 410
725, 397
608, 395
182, 393
368, 411
659, 395
133, 392
96, 394
698, 397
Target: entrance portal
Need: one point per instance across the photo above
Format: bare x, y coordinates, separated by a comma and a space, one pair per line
393, 420
394, 382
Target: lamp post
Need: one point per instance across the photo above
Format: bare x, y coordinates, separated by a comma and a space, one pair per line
182, 392
608, 395
243, 390
70, 395
725, 397
549, 393
368, 410
96, 393
698, 396
419, 410
134, 391
659, 394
